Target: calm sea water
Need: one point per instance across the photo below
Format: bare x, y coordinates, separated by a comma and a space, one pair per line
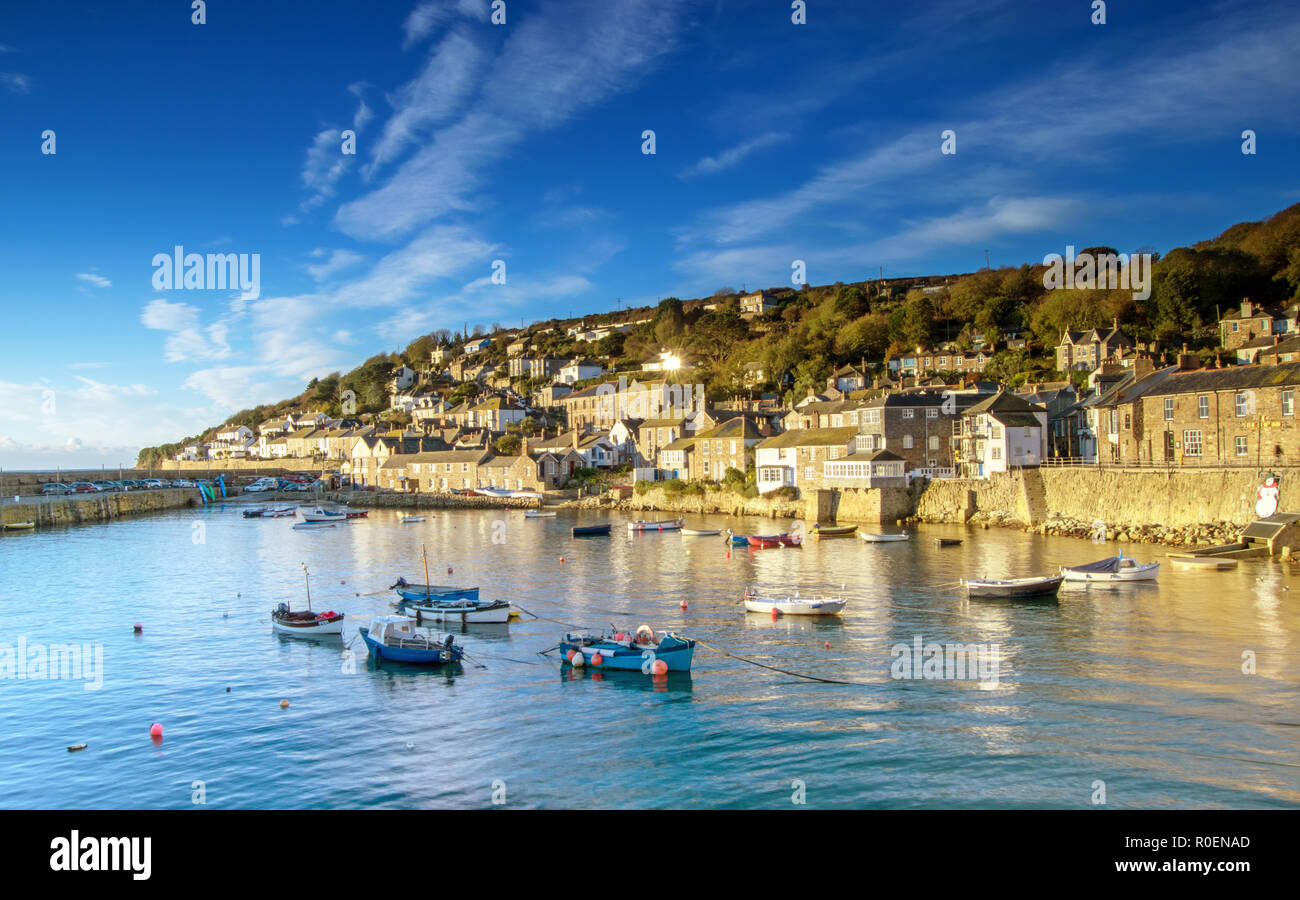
1140, 688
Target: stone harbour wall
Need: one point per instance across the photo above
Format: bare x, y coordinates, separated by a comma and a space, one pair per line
79, 508
1179, 506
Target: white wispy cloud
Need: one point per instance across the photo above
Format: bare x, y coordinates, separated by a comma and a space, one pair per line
96, 280
734, 155
551, 66
16, 82
187, 339
430, 14
335, 261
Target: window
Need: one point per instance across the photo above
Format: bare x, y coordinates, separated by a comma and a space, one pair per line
1288, 403
1169, 409
909, 413
932, 413
1203, 406
807, 473
1128, 421
706, 467
873, 417
1191, 443
907, 442
997, 452
934, 442
1242, 446
1241, 403
1234, 326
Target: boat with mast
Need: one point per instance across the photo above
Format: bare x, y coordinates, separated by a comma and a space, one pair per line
306, 623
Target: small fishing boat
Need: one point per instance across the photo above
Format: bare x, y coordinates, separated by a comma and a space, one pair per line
794, 606
1014, 588
279, 512
1114, 568
668, 525
872, 537
432, 592
396, 638
768, 541
629, 652
1210, 563
701, 532
947, 542
253, 513
309, 526
539, 514
320, 514
590, 530
738, 540
357, 513
527, 495
461, 611
820, 531
305, 623
493, 492
407, 520
19, 526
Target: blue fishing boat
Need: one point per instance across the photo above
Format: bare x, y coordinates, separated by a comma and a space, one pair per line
396, 638
590, 530
443, 593
738, 540
629, 652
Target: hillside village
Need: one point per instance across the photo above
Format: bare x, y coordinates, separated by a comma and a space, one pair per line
841, 386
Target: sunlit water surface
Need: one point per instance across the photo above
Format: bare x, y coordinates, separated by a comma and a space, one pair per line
1140, 689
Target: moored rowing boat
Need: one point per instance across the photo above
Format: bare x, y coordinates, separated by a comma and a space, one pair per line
1014, 588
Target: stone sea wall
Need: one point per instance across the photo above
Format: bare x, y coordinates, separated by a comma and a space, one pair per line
74, 510
1187, 506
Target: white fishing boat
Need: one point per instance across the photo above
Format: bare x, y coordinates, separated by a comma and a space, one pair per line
306, 623
462, 611
1112, 569
872, 537
312, 526
794, 606
539, 514
407, 520
701, 532
1041, 587
1210, 563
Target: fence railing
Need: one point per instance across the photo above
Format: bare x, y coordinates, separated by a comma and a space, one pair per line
1189, 462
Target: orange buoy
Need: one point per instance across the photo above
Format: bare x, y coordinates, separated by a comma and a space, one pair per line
597, 659
828, 645
561, 559
683, 604
284, 704
659, 667
155, 730
776, 613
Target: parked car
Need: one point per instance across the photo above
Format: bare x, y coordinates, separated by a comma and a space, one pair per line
107, 485
83, 487
262, 484
56, 488
154, 483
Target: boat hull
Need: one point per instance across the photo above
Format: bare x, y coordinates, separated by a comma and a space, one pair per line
1143, 573
767, 542
474, 614
874, 538
533, 514
590, 531
1029, 588
836, 532
654, 526
796, 608
630, 658
308, 630
418, 592
701, 532
430, 657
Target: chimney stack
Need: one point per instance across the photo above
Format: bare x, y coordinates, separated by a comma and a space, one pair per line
1247, 308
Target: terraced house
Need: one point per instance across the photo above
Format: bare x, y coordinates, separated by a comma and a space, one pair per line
917, 426
1185, 415
723, 447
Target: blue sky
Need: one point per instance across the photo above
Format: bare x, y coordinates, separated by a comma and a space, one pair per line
522, 142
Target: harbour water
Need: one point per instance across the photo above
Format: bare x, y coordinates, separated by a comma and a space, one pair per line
1136, 696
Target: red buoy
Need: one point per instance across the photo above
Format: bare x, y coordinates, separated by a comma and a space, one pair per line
155, 730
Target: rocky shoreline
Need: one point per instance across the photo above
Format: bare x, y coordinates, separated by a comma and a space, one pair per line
1207, 534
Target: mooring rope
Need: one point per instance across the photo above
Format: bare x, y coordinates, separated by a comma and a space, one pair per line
776, 669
